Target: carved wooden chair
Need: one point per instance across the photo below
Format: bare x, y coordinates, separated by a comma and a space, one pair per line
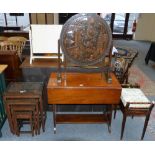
123, 61
19, 42
3, 46
135, 103
9, 46
121, 68
121, 71
3, 38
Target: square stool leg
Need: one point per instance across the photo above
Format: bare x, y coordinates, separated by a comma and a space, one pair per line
23, 116
123, 126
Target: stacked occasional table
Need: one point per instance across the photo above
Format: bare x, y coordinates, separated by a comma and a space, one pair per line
24, 102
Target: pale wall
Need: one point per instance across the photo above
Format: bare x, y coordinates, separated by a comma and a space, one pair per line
40, 18
145, 27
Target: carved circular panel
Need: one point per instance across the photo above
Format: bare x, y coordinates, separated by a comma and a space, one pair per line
85, 39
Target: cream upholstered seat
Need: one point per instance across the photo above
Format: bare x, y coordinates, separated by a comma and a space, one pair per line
135, 103
135, 97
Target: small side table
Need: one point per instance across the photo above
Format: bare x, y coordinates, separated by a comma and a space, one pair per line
24, 91
2, 88
84, 89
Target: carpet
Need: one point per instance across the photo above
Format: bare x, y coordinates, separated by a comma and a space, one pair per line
148, 87
138, 76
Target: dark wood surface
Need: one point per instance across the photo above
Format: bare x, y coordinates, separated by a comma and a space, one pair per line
80, 118
39, 63
83, 88
15, 33
13, 72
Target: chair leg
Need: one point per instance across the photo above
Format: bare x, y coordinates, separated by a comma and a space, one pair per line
145, 126
116, 107
123, 125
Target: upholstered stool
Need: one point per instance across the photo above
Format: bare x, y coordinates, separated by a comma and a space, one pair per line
135, 103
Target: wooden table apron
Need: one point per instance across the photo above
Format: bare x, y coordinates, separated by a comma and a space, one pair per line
83, 88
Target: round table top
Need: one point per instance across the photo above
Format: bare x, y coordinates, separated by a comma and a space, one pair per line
86, 39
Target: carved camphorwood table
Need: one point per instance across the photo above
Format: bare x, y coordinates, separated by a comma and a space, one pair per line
25, 91
86, 39
83, 88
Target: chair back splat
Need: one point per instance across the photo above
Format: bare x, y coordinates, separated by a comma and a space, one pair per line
123, 62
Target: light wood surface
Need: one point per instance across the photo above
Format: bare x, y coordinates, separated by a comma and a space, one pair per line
83, 88
2, 68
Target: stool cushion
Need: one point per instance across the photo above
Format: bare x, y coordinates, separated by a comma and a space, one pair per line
134, 95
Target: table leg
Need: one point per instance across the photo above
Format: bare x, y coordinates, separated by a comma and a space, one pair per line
7, 107
37, 131
41, 112
54, 117
44, 100
109, 116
